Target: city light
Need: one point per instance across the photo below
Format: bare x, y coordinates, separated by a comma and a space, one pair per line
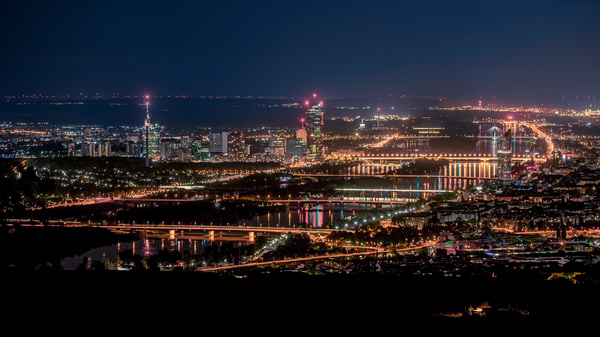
446, 163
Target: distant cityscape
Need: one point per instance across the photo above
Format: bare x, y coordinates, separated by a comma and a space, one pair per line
407, 192
338, 165
203, 143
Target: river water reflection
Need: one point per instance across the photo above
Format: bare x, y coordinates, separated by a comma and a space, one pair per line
313, 216
324, 214
458, 174
151, 246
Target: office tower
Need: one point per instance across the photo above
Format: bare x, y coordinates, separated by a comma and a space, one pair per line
132, 137
133, 149
276, 146
201, 149
235, 144
96, 149
87, 149
314, 121
302, 134
175, 149
151, 136
105, 149
218, 143
153, 142
257, 145
504, 155
166, 148
71, 149
185, 141
295, 147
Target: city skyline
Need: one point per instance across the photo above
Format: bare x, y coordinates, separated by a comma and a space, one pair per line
450, 148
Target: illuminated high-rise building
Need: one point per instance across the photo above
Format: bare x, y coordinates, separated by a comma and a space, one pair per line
301, 134
295, 147
276, 146
504, 155
154, 142
96, 149
314, 121
218, 143
235, 144
201, 149
151, 136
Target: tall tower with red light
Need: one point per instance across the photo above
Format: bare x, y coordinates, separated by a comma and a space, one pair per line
151, 136
314, 134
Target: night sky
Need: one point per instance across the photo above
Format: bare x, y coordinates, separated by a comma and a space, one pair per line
514, 49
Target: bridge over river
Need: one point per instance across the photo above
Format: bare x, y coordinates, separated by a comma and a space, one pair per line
211, 229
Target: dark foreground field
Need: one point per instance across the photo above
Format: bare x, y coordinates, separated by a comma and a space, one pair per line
285, 300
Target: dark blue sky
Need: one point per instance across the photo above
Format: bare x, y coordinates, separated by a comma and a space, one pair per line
513, 49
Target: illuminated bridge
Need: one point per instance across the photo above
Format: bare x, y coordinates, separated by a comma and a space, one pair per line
433, 176
451, 156
211, 229
425, 137
345, 200
154, 200
356, 200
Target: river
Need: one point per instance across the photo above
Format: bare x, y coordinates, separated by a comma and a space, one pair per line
151, 246
325, 214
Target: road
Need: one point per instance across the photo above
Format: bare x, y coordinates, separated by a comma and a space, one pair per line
95, 201
374, 251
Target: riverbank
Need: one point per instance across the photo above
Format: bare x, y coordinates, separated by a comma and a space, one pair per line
28, 247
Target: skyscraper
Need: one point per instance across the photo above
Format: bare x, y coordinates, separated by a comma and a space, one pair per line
314, 120
235, 144
218, 143
151, 137
201, 149
146, 135
504, 155
301, 134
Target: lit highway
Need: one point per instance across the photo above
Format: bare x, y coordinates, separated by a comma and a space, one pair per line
94, 201
372, 251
